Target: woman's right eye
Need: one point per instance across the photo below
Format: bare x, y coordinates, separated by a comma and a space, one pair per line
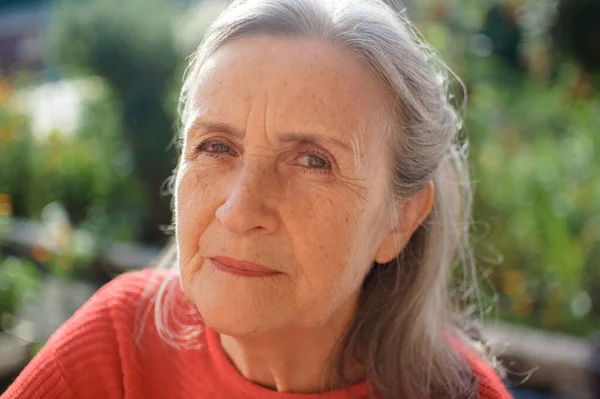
214, 148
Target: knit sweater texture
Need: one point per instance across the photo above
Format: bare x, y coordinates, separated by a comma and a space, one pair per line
110, 348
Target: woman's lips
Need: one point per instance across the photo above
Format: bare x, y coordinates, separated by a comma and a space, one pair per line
241, 268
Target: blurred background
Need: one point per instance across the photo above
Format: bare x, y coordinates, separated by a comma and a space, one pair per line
88, 99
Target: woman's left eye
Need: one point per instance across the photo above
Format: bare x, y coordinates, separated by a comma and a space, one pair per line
312, 161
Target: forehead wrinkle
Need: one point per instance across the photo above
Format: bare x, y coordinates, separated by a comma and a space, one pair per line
373, 134
358, 151
215, 126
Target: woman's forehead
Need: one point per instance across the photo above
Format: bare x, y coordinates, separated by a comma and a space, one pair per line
300, 84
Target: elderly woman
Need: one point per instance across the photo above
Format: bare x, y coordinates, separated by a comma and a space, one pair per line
320, 200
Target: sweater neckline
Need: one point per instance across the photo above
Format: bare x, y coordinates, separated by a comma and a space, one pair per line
228, 371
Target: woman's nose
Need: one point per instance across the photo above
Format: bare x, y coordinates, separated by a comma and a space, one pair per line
246, 209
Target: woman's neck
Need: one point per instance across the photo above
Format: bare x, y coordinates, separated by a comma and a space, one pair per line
296, 360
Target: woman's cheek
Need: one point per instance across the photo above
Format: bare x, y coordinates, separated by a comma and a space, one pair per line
319, 220
196, 188
193, 213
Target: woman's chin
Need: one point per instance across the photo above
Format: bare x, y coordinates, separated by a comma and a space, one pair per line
231, 314
234, 305
235, 324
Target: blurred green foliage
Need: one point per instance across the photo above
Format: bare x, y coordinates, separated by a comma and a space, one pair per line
576, 31
535, 157
19, 278
532, 119
130, 46
89, 173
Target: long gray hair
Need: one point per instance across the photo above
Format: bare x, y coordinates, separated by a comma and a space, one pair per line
407, 314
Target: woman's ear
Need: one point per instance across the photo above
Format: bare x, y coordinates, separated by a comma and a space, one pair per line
410, 213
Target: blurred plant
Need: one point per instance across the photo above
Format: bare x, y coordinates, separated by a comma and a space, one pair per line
576, 31
15, 149
502, 27
535, 155
19, 281
89, 172
64, 250
130, 45
19, 278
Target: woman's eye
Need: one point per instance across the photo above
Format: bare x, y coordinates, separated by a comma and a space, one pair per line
214, 148
315, 162
218, 147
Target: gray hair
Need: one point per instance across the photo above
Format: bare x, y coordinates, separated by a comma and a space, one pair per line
407, 311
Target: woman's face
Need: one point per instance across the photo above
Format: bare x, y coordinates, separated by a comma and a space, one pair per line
284, 166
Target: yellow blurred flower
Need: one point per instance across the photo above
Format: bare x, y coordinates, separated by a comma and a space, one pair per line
523, 305
513, 281
510, 139
5, 91
62, 235
5, 205
550, 318
64, 263
40, 253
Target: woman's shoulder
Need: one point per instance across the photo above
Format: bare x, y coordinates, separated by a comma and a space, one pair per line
489, 382
126, 307
86, 356
129, 288
111, 317
118, 300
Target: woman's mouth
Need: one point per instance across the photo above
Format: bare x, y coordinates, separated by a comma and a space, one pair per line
242, 268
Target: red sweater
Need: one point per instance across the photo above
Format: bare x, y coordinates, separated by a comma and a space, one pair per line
97, 354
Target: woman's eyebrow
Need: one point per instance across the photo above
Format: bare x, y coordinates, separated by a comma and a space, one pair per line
206, 126
314, 138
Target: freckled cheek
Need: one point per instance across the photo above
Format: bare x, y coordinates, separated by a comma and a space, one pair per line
195, 207
323, 231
